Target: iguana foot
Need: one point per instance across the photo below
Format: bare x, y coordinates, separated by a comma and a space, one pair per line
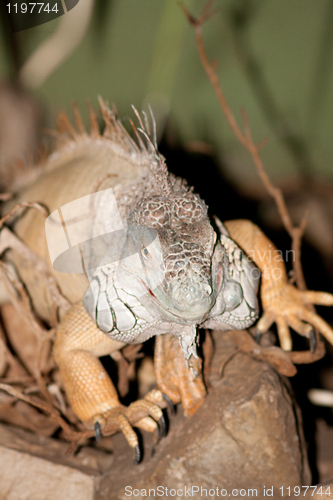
178, 379
287, 307
145, 414
282, 303
118, 421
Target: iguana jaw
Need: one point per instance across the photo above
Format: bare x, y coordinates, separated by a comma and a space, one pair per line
195, 314
189, 300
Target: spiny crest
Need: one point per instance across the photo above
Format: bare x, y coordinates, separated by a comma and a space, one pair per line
115, 132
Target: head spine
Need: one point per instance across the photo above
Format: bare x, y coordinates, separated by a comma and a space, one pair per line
115, 132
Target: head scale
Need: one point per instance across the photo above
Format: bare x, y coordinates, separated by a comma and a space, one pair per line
186, 241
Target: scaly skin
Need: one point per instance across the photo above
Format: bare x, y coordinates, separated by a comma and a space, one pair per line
207, 280
282, 303
179, 380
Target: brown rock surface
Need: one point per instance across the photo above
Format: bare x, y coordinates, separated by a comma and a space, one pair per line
37, 468
26, 477
245, 436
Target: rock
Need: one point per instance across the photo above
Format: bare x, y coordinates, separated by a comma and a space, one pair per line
324, 451
26, 477
36, 468
245, 437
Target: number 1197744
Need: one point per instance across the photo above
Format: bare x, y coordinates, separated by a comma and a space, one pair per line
30, 7
302, 490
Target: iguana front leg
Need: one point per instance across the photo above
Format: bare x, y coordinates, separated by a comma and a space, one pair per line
177, 378
282, 303
90, 391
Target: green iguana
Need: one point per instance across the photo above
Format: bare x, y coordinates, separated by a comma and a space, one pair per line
133, 250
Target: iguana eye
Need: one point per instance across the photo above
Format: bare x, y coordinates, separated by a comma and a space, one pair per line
145, 253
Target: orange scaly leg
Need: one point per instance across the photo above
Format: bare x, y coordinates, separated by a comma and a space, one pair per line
90, 391
180, 382
282, 302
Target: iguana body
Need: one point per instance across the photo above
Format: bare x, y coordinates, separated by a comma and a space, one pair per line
173, 272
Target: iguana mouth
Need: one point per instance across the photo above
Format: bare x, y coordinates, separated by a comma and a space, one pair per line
189, 292
186, 314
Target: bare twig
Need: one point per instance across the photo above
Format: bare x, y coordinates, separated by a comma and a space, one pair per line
21, 302
70, 435
22, 205
9, 240
245, 138
125, 360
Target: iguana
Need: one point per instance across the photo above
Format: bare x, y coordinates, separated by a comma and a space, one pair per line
149, 262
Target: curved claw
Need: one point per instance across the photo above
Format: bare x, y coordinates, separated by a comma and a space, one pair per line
313, 342
137, 455
170, 403
98, 431
257, 336
161, 428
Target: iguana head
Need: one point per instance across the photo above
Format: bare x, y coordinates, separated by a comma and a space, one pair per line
176, 244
